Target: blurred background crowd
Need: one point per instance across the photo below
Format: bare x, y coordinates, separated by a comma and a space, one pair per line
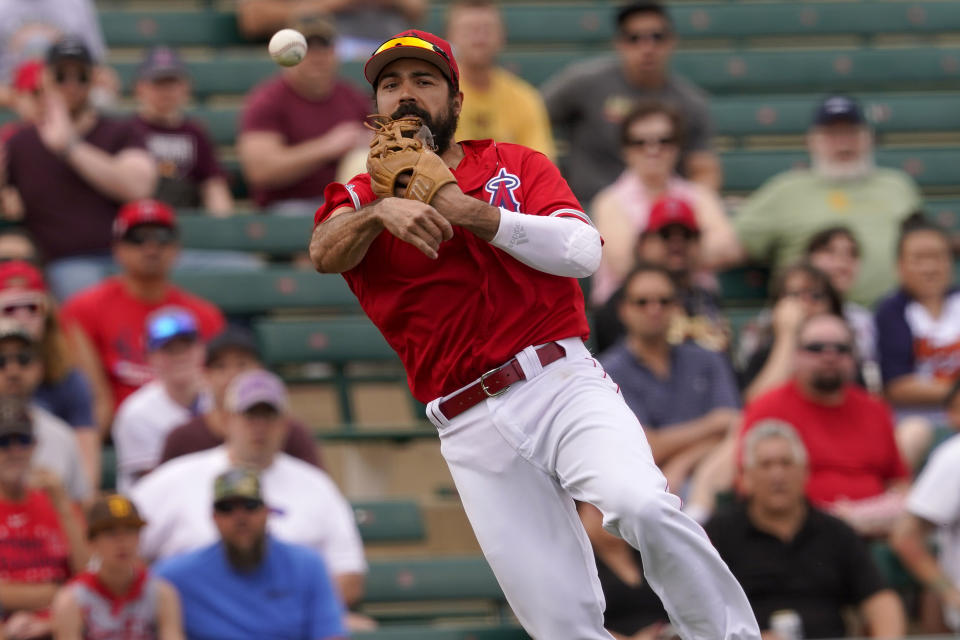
777, 187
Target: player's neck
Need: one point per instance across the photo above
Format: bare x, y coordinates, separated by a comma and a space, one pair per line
783, 524
145, 289
117, 580
15, 492
653, 352
642, 79
479, 77
184, 393
453, 155
163, 120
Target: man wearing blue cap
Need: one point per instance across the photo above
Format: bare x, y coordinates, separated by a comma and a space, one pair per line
842, 186
176, 354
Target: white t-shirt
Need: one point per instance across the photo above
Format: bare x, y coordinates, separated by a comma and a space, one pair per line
306, 508
141, 427
58, 452
935, 497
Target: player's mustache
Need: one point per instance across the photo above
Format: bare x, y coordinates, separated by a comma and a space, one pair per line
413, 110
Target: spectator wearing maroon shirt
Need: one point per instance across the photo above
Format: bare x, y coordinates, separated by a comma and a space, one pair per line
297, 127
189, 173
856, 470
232, 352
73, 170
42, 544
106, 322
25, 100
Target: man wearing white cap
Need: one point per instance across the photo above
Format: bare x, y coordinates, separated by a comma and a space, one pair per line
305, 505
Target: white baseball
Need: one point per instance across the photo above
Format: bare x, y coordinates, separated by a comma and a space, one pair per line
287, 47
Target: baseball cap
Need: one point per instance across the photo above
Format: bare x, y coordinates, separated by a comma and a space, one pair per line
112, 511
413, 44
168, 323
256, 387
27, 76
237, 483
140, 212
69, 48
18, 274
232, 338
161, 62
15, 417
315, 25
838, 108
10, 328
667, 211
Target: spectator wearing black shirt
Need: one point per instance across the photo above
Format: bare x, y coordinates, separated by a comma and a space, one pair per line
790, 556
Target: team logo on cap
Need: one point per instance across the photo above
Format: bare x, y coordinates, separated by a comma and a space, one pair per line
501, 188
119, 507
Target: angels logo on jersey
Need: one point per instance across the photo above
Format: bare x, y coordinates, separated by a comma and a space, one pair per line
501, 188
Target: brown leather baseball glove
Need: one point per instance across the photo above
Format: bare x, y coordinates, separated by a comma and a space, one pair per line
405, 147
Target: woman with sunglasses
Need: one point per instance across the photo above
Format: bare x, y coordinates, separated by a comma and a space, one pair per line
651, 138
768, 342
64, 391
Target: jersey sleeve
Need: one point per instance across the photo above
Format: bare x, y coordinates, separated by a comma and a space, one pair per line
935, 495
357, 193
546, 193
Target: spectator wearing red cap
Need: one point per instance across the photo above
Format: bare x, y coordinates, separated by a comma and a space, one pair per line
189, 172
25, 102
297, 127
651, 138
671, 239
145, 247
64, 390
73, 170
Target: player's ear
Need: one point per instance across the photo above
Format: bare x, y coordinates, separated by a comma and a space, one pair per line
457, 102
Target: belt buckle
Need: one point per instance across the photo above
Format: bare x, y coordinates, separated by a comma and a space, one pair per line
483, 383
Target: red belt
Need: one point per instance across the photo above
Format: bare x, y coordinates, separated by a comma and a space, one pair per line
495, 382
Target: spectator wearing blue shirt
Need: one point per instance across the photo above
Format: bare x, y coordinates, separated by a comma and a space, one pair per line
685, 396
250, 585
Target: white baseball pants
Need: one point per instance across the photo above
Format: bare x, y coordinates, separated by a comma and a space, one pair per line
520, 459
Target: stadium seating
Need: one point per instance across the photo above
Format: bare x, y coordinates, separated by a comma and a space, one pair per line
446, 633
389, 521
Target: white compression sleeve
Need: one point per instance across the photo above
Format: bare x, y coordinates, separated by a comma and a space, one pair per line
560, 246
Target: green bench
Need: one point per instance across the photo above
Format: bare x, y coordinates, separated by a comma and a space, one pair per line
389, 521
592, 22
137, 28
719, 72
272, 289
427, 581
474, 632
274, 235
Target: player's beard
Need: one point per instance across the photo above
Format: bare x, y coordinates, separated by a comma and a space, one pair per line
442, 128
842, 170
245, 560
827, 381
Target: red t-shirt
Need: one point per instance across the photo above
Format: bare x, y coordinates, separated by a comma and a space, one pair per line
851, 446
33, 546
475, 307
274, 106
115, 322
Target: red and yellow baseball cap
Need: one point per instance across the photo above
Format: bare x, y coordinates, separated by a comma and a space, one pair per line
414, 44
21, 275
667, 211
140, 212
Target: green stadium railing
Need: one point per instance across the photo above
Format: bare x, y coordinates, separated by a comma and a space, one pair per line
583, 22
718, 72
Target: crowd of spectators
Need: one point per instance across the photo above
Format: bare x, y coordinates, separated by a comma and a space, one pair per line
798, 439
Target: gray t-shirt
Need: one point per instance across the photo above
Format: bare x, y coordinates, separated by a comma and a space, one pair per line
587, 103
699, 382
57, 451
29, 27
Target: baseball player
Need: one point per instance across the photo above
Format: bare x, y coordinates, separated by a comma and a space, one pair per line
466, 258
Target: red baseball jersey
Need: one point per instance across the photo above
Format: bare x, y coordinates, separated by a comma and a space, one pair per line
475, 307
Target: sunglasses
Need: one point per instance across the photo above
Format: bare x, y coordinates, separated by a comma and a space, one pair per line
665, 301
139, 236
412, 41
840, 348
245, 504
22, 358
8, 440
636, 37
643, 143
11, 309
80, 77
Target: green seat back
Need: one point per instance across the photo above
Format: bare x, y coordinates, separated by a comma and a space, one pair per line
411, 580
275, 235
259, 292
334, 340
407, 632
137, 28
389, 521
